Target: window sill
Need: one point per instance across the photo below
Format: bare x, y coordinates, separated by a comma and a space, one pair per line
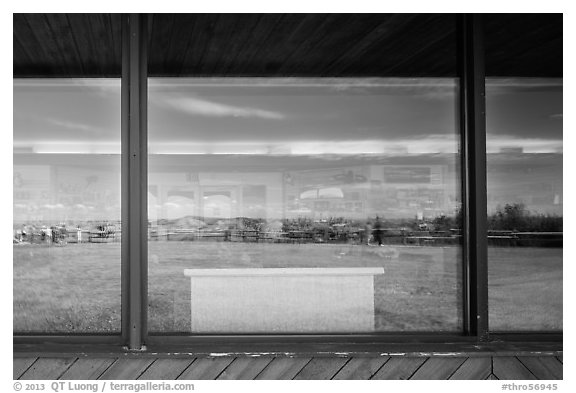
521, 344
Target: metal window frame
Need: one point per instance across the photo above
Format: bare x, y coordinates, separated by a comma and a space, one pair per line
474, 187
134, 336
135, 180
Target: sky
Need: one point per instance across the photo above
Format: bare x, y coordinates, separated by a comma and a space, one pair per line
300, 116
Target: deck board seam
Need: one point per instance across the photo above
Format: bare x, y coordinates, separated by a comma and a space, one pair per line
146, 369
418, 368
558, 360
264, 368
185, 368
526, 367
224, 369
269, 361
107, 368
303, 367
28, 368
340, 369
379, 368
67, 368
457, 368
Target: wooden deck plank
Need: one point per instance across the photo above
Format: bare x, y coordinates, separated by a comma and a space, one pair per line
509, 367
321, 368
167, 369
206, 368
87, 368
473, 368
283, 368
361, 368
438, 368
399, 368
543, 367
19, 365
48, 368
245, 368
524, 367
127, 368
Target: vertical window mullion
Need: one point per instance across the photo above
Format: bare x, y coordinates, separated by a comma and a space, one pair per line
134, 179
474, 190
125, 163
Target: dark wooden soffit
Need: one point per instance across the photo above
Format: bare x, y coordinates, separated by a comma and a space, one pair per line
523, 45
67, 45
335, 45
303, 45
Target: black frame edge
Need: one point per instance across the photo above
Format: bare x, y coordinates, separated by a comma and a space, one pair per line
134, 181
474, 187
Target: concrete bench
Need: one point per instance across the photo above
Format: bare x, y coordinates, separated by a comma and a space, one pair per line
285, 300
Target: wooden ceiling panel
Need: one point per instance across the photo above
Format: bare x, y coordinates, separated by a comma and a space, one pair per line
162, 30
311, 46
247, 54
358, 51
196, 48
523, 45
346, 45
32, 59
273, 48
410, 48
67, 45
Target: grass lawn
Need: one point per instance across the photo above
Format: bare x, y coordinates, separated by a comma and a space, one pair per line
525, 288
419, 290
76, 288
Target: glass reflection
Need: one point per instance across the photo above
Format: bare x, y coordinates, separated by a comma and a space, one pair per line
525, 203
259, 189
66, 210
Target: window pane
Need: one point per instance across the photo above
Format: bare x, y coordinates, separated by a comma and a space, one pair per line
524, 163
303, 205
66, 205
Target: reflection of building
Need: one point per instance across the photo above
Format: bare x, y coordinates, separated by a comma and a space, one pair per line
395, 191
271, 187
67, 188
214, 194
534, 180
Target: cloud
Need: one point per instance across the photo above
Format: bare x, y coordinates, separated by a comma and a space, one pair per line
425, 88
201, 107
75, 125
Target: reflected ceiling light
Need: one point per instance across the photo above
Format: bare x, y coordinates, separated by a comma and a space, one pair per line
427, 145
510, 144
433, 144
